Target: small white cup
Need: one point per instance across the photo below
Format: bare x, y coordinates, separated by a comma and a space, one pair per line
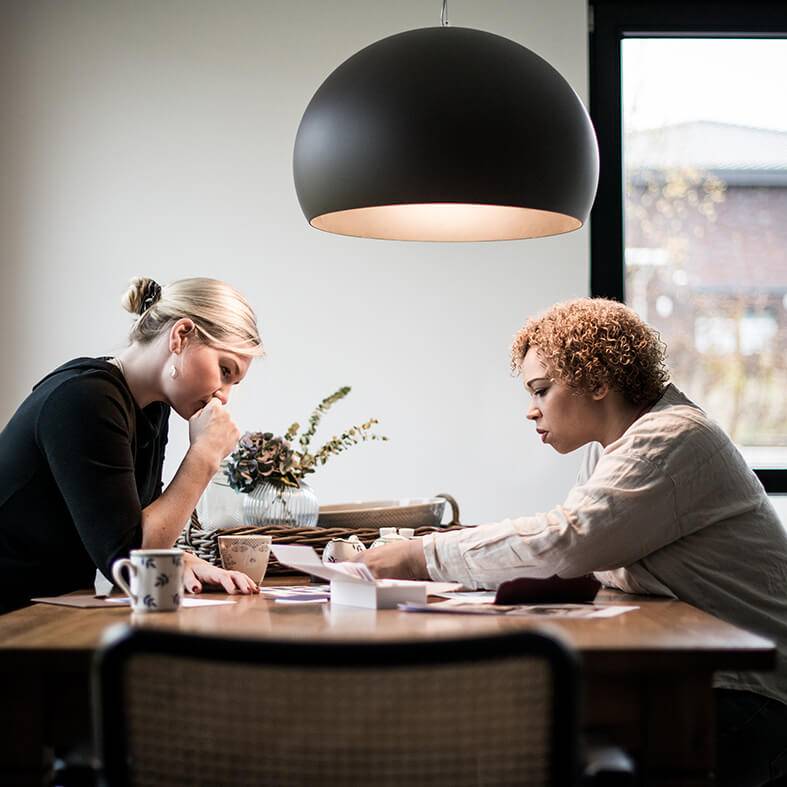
337, 550
156, 579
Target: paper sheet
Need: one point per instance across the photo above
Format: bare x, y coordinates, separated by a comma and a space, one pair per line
306, 559
473, 596
296, 593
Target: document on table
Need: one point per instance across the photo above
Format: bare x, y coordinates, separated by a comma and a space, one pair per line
290, 594
306, 559
471, 596
461, 607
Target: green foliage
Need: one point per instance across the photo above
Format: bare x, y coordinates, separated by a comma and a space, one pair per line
319, 411
263, 456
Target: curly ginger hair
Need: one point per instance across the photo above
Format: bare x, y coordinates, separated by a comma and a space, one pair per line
588, 342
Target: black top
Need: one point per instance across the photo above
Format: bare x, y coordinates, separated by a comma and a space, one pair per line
78, 462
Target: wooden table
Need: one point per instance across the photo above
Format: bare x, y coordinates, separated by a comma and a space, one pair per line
647, 673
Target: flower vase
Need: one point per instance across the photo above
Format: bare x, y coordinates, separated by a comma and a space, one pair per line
270, 503
220, 505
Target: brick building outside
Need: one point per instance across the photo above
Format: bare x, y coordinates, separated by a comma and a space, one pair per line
706, 265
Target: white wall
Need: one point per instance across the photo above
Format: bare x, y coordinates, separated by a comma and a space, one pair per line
148, 137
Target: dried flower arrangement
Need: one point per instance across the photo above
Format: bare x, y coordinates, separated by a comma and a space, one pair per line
262, 456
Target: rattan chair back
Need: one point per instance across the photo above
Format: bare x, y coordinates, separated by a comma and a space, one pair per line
176, 709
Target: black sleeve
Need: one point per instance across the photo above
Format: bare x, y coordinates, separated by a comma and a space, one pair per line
85, 432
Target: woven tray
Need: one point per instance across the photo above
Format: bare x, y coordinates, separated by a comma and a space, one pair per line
419, 512
204, 543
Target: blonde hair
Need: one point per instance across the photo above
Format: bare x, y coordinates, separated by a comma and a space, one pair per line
588, 342
222, 316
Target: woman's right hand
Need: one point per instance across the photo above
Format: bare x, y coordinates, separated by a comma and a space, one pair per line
212, 431
397, 560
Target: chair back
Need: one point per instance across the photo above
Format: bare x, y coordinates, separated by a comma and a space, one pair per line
177, 709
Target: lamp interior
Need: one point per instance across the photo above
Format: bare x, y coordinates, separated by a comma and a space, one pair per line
446, 222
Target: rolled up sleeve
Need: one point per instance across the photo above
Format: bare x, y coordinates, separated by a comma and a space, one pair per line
624, 511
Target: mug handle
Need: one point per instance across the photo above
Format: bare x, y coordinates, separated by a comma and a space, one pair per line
454, 509
117, 575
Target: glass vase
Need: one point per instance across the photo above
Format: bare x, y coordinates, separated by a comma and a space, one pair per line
220, 506
270, 503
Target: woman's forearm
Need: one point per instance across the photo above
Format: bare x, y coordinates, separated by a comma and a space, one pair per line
164, 518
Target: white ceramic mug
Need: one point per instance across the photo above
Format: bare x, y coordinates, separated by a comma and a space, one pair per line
156, 579
249, 554
337, 550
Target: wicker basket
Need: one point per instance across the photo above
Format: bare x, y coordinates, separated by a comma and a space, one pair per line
421, 512
204, 543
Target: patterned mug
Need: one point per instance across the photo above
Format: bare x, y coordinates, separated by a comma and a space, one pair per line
156, 579
248, 554
337, 550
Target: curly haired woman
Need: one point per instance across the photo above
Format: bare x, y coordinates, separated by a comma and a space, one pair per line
665, 504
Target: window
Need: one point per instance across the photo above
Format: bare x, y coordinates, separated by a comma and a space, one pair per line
690, 223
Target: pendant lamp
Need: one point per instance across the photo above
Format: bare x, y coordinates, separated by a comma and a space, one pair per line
446, 134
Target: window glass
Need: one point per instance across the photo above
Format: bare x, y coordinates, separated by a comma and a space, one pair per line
705, 212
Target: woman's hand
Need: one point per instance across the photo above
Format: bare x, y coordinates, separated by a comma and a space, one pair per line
399, 560
212, 431
197, 572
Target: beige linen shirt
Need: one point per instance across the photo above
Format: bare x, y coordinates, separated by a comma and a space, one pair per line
670, 508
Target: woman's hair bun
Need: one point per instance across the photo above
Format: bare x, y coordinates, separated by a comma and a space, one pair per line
141, 294
222, 317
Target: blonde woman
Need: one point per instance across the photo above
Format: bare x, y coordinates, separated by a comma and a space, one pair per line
665, 504
81, 459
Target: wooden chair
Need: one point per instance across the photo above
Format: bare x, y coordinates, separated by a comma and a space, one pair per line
176, 709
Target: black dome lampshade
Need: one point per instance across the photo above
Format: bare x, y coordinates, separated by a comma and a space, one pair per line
446, 134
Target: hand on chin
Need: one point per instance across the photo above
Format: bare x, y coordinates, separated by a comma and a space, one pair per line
187, 411
198, 407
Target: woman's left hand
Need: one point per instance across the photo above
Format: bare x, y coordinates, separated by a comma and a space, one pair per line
198, 572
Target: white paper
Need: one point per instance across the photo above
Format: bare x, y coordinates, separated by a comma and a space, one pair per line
473, 596
432, 588
285, 591
297, 592
306, 559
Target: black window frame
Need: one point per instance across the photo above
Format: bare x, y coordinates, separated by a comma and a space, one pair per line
610, 21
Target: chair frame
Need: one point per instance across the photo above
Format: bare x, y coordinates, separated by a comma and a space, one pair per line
122, 642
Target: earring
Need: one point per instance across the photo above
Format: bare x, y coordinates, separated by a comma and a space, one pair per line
173, 372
